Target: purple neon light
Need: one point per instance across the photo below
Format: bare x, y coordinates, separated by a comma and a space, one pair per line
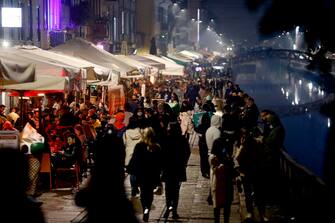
54, 10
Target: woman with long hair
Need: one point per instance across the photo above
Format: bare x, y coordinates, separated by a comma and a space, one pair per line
145, 164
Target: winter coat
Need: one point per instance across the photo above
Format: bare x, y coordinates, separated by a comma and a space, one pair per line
213, 132
175, 152
146, 164
130, 138
221, 174
186, 122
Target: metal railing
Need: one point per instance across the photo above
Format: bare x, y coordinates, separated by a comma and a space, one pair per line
306, 196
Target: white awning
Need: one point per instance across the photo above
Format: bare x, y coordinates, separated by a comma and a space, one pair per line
56, 58
171, 67
83, 49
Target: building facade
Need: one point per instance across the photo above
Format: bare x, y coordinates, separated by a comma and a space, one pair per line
145, 24
40, 18
47, 23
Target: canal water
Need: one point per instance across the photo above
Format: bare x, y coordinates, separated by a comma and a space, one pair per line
296, 95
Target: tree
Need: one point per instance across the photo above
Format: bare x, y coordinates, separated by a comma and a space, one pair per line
314, 16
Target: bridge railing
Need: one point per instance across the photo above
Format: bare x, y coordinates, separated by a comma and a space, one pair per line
306, 195
278, 53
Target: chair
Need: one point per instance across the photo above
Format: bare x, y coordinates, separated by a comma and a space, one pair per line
46, 167
75, 169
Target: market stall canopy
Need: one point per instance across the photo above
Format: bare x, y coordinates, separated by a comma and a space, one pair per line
42, 83
95, 71
190, 54
179, 59
149, 61
41, 67
171, 67
16, 72
81, 48
143, 68
48, 76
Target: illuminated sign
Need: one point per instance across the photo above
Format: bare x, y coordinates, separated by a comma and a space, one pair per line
54, 14
11, 17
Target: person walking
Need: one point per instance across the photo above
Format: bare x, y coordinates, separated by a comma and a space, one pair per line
145, 165
104, 196
212, 133
131, 137
175, 153
221, 178
205, 123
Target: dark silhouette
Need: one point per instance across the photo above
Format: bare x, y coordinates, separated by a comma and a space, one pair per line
153, 48
175, 153
105, 197
14, 203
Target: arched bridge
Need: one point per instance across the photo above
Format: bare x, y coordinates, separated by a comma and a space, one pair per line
258, 54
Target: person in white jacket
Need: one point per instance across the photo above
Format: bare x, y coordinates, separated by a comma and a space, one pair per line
185, 117
213, 132
130, 138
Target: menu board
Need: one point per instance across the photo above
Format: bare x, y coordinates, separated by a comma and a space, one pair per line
9, 139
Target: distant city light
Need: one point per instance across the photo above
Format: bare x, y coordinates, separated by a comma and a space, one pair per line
297, 29
282, 90
300, 82
5, 43
294, 46
328, 122
310, 86
100, 46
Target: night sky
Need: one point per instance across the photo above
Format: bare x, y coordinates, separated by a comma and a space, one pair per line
233, 19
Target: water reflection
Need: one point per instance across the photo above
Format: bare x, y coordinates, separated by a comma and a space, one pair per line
328, 176
296, 96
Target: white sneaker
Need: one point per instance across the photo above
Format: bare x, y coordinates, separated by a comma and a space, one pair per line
265, 219
248, 216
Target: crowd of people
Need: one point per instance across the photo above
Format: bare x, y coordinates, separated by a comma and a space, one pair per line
150, 140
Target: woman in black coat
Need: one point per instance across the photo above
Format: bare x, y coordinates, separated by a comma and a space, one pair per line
175, 152
145, 164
